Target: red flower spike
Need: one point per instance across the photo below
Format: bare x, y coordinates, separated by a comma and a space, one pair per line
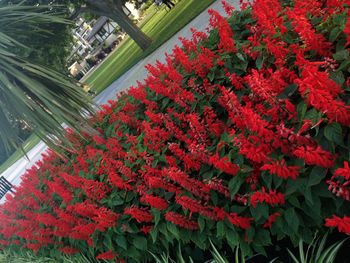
282, 170
272, 218
181, 221
109, 255
140, 215
343, 224
272, 198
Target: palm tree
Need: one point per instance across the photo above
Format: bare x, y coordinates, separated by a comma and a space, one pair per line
34, 94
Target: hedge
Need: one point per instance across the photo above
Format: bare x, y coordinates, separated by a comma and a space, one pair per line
241, 137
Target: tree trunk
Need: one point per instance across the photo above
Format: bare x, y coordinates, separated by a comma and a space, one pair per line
114, 11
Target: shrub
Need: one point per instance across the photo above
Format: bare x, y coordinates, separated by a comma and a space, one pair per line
235, 139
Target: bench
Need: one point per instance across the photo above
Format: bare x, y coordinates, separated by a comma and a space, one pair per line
5, 187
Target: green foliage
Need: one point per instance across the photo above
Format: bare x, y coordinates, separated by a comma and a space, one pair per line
8, 256
317, 252
41, 97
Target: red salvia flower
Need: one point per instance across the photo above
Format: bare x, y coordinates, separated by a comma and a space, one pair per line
347, 31
140, 215
343, 224
146, 229
272, 198
315, 156
181, 221
228, 8
69, 250
343, 172
239, 221
282, 170
224, 164
272, 218
109, 255
154, 201
225, 32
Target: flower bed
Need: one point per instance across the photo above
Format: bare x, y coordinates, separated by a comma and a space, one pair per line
240, 137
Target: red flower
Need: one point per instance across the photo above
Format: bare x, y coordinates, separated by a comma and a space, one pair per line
343, 172
269, 16
69, 250
272, 218
224, 164
347, 31
343, 224
228, 8
315, 156
282, 170
271, 198
181, 221
239, 221
140, 215
225, 32
109, 255
154, 201
146, 229
312, 40
193, 205
99, 140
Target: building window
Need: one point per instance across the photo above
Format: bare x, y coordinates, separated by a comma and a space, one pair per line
103, 33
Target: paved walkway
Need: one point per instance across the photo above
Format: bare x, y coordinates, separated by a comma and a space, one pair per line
137, 72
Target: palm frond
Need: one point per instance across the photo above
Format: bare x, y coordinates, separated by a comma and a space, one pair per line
37, 94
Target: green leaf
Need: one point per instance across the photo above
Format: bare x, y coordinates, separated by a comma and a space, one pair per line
173, 230
140, 243
341, 55
232, 238
296, 185
267, 178
260, 62
301, 110
293, 200
260, 250
313, 115
156, 214
214, 198
240, 56
344, 65
292, 219
333, 35
211, 75
290, 90
262, 237
235, 184
201, 223
261, 211
121, 241
316, 175
338, 77
220, 229
108, 242
154, 234
333, 132
134, 253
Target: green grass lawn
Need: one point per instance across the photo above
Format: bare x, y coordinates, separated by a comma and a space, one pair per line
27, 146
160, 27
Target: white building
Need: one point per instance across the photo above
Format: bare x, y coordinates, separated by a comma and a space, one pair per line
92, 36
